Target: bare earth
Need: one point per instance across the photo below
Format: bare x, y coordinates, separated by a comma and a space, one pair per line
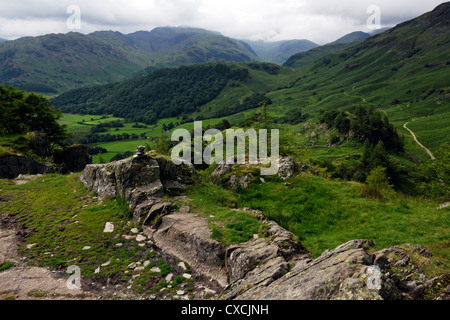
23, 282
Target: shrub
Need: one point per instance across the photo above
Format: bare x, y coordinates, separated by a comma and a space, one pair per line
377, 182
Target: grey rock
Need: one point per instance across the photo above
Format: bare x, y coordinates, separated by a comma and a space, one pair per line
14, 165
341, 273
140, 181
188, 237
286, 167
156, 212
72, 158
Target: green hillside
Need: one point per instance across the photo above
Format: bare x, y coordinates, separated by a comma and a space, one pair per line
58, 62
305, 59
352, 37
208, 91
403, 71
308, 58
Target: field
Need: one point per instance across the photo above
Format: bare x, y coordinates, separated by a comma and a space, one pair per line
324, 213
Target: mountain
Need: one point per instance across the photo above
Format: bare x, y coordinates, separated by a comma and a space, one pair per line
404, 71
279, 52
57, 62
3, 40
352, 37
305, 59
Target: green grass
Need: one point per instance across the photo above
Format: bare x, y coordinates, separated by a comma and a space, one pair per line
216, 204
325, 213
6, 265
61, 217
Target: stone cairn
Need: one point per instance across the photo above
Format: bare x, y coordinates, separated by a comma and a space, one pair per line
140, 151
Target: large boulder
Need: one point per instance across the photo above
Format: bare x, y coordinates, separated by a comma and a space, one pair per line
12, 166
347, 272
72, 159
39, 143
140, 181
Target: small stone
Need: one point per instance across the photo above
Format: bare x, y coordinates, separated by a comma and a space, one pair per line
187, 275
120, 244
132, 265
140, 238
146, 263
256, 236
152, 297
86, 248
135, 230
169, 277
155, 269
139, 269
182, 265
97, 270
106, 264
29, 246
180, 293
109, 227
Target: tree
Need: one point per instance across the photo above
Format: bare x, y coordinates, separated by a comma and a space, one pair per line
23, 112
162, 145
342, 123
377, 182
100, 158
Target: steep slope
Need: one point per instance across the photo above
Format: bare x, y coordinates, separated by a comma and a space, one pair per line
352, 37
58, 62
278, 52
404, 71
305, 59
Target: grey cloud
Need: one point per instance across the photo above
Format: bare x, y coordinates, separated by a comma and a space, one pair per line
319, 21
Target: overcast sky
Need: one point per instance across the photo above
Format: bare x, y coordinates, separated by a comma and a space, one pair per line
320, 21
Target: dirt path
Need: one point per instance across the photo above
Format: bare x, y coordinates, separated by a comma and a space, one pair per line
22, 282
421, 145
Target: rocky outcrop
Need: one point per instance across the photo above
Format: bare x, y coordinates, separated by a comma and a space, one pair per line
14, 165
273, 265
140, 181
338, 274
72, 159
39, 144
351, 271
188, 237
234, 176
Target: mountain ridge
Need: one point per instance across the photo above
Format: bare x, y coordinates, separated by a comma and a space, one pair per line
57, 62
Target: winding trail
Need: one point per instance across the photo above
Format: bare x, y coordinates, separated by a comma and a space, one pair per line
421, 145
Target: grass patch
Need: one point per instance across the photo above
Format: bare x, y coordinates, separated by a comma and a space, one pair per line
228, 226
325, 214
6, 265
